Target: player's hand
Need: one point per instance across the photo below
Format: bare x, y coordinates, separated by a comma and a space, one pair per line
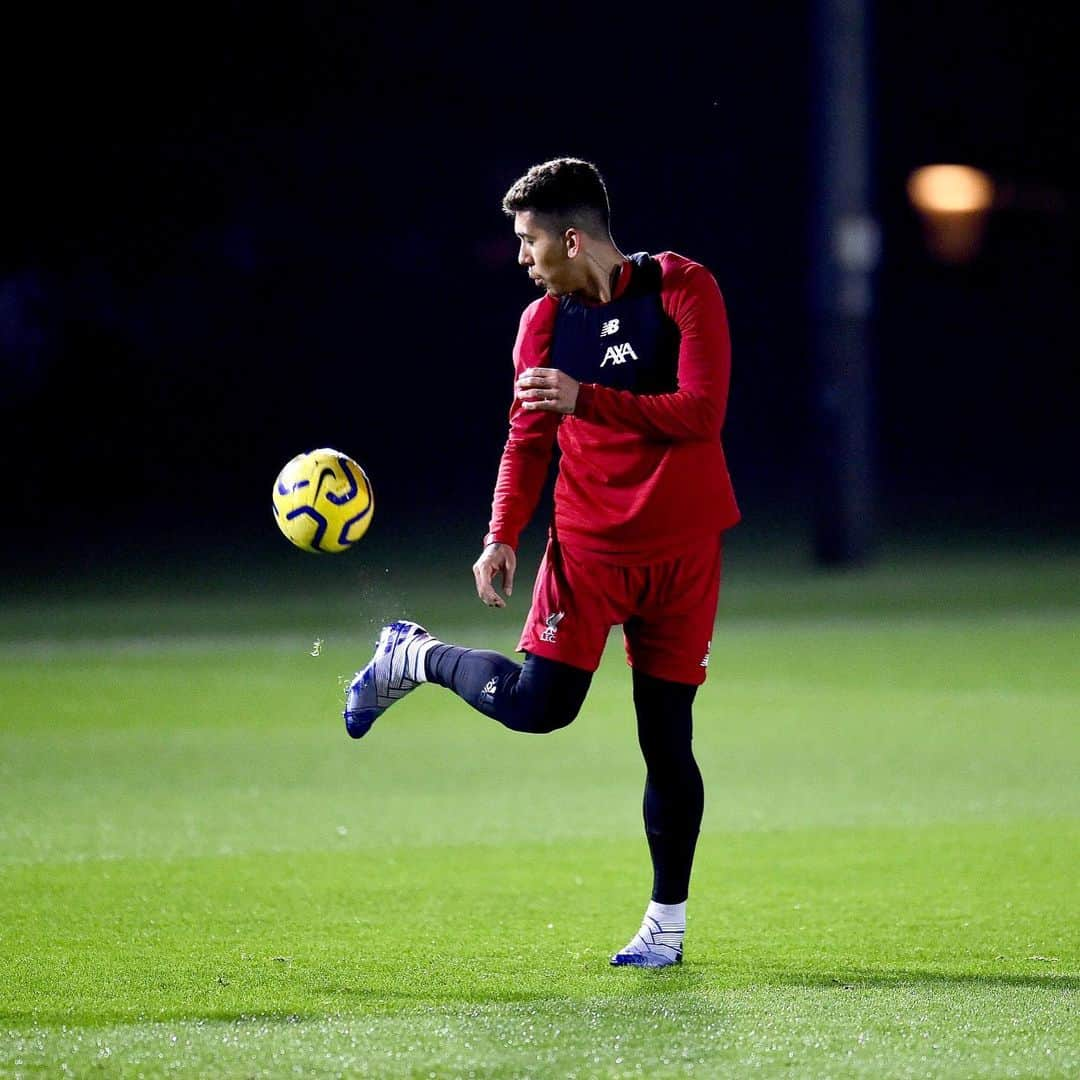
547, 390
494, 560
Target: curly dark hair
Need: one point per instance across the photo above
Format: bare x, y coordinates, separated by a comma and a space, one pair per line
568, 192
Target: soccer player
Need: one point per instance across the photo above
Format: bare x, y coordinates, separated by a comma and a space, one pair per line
624, 361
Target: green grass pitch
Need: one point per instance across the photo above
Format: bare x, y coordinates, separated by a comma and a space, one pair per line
200, 874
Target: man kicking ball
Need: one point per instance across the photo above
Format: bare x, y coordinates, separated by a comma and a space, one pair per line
625, 361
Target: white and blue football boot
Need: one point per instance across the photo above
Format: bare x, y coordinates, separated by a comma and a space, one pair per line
655, 945
396, 668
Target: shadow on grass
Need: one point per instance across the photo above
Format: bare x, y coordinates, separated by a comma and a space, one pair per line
624, 986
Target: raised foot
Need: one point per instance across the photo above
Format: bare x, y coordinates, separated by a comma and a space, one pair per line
396, 668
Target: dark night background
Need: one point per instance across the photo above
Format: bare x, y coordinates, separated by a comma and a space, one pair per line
230, 235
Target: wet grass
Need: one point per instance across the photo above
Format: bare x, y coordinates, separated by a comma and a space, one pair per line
201, 875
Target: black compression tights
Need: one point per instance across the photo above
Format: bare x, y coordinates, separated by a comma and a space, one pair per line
543, 695
538, 696
674, 794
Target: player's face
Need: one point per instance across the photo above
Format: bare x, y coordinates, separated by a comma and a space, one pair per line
543, 254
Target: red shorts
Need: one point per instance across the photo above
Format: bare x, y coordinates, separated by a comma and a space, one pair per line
666, 609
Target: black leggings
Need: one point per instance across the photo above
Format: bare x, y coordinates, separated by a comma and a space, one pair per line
542, 695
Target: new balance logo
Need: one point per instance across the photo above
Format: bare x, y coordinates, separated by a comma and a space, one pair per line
617, 354
705, 660
551, 626
610, 327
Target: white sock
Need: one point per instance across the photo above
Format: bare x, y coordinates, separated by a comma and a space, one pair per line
417, 657
667, 913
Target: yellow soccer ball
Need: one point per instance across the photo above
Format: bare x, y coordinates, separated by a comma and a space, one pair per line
323, 501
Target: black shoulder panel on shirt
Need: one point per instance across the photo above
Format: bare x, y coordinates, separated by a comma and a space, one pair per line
628, 344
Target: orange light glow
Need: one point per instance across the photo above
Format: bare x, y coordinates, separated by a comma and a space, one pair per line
953, 202
956, 189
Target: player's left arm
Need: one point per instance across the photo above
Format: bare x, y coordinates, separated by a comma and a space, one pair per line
694, 412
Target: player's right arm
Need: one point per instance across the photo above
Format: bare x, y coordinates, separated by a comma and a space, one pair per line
525, 460
496, 561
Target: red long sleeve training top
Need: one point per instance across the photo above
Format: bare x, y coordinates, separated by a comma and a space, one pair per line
642, 473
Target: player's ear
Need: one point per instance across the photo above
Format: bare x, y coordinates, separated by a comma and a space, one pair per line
572, 243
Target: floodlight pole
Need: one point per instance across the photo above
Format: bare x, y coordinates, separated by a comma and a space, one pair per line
844, 253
